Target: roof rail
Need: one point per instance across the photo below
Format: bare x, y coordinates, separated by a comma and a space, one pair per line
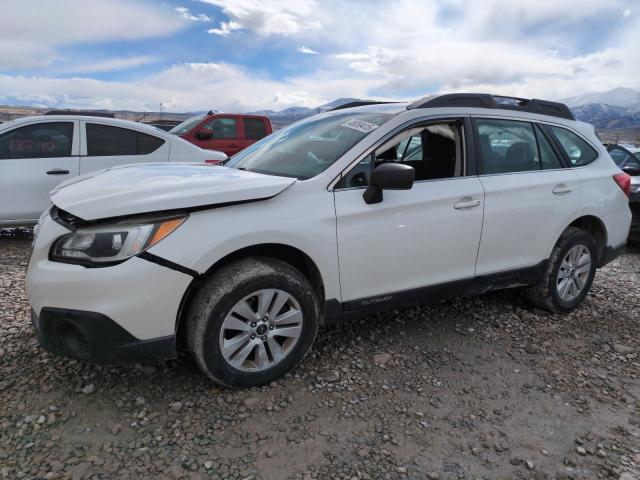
81, 113
485, 100
359, 104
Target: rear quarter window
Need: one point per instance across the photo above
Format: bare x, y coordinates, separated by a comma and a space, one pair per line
106, 140
580, 153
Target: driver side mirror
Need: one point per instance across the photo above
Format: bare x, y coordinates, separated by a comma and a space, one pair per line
388, 176
204, 134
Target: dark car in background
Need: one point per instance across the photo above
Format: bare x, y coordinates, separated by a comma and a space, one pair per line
630, 164
228, 133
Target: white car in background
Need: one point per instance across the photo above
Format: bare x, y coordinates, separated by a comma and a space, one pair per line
37, 153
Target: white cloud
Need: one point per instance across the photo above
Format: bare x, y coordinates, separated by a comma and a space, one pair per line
626, 12
306, 50
184, 87
187, 15
32, 32
387, 49
267, 17
108, 64
225, 28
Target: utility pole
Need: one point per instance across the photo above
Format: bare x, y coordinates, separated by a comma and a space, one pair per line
160, 110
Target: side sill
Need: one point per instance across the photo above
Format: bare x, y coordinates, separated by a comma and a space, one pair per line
335, 311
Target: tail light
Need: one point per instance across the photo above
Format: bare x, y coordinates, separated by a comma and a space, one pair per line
624, 182
213, 162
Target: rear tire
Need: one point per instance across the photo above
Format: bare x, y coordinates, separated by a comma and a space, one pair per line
569, 273
252, 321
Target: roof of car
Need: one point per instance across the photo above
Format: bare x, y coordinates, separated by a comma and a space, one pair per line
483, 101
102, 120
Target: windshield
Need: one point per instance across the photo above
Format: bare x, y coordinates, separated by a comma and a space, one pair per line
307, 148
186, 126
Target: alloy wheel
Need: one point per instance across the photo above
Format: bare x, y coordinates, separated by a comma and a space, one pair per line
261, 330
573, 273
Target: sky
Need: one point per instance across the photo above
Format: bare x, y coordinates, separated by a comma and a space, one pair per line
247, 55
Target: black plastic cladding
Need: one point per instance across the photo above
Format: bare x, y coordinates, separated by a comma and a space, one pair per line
484, 100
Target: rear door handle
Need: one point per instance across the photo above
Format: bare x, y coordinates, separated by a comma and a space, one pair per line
561, 189
466, 204
58, 171
234, 145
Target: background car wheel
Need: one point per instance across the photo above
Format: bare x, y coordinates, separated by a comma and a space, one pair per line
569, 273
252, 322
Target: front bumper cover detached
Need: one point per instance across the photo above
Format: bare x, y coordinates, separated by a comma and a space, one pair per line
94, 337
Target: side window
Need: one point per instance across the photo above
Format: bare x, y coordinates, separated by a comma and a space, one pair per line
624, 159
548, 158
434, 151
105, 140
42, 140
618, 156
148, 143
222, 127
254, 128
507, 146
579, 152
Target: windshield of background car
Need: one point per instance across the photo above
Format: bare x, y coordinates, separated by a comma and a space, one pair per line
307, 148
186, 126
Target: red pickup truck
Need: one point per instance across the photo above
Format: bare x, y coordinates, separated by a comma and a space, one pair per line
228, 133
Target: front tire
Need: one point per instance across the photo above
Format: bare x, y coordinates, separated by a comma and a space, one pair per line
252, 321
569, 273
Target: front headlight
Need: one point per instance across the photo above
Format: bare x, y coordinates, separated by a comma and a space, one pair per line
111, 244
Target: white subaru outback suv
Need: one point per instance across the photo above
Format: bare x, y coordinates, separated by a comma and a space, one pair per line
336, 216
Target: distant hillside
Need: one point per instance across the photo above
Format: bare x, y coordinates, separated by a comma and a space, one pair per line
615, 113
605, 116
289, 115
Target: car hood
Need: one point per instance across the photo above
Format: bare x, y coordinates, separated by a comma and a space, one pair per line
146, 188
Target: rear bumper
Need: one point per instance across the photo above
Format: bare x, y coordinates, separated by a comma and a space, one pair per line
94, 337
634, 205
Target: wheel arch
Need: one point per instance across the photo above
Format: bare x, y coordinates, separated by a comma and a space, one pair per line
286, 253
594, 226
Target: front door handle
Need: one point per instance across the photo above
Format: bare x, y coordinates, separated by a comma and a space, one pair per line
58, 171
561, 189
234, 145
466, 203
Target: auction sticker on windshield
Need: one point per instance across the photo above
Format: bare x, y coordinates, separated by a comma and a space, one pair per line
360, 125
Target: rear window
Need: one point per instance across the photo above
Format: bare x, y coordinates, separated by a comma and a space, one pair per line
254, 128
579, 151
105, 140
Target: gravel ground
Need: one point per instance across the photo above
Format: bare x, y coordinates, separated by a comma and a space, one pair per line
482, 387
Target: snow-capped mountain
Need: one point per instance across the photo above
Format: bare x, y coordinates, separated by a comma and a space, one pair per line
621, 97
605, 116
